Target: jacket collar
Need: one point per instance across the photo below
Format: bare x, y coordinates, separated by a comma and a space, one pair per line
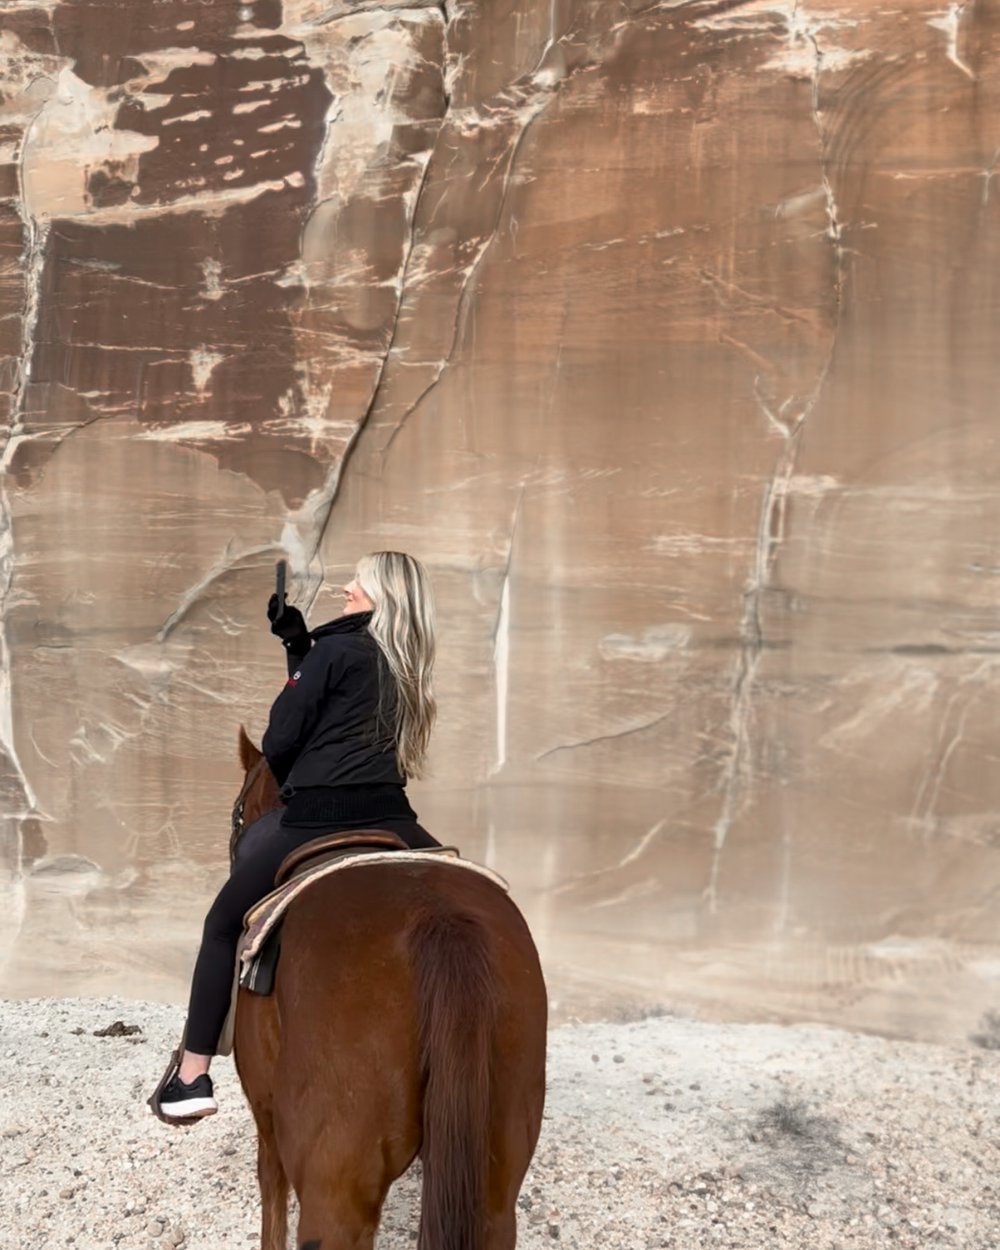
353, 623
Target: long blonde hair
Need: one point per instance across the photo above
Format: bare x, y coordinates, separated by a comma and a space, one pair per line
403, 626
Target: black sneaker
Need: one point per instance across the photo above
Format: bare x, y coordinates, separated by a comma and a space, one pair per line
188, 1102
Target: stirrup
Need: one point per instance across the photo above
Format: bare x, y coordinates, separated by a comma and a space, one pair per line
173, 1067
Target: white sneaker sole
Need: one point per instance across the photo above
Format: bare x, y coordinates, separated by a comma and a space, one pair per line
189, 1107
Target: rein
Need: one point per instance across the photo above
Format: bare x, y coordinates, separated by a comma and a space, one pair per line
237, 824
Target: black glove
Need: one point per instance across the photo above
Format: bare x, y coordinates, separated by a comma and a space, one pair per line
289, 625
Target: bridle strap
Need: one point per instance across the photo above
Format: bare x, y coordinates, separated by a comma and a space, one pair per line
238, 825
251, 777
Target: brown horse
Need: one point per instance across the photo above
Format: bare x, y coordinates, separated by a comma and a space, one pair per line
408, 1018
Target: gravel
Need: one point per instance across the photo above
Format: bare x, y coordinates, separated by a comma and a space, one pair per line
662, 1132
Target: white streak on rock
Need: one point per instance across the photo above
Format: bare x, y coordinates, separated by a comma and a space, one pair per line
327, 13
690, 543
812, 485
490, 852
203, 365
738, 774
804, 202
194, 432
950, 22
357, 138
656, 644
501, 659
802, 27
162, 62
213, 288
630, 894
526, 114
910, 693
33, 263
637, 725
949, 736
643, 844
988, 175
363, 114
256, 53
298, 554
197, 116
149, 661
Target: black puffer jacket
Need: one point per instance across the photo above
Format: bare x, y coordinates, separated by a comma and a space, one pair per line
324, 729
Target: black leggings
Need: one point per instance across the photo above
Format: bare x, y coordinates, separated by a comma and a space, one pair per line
260, 852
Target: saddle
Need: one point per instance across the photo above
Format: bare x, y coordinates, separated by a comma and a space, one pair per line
260, 945
331, 846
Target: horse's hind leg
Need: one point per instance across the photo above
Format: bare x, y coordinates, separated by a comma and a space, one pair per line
273, 1189
341, 1185
507, 1175
501, 1231
516, 1121
337, 1211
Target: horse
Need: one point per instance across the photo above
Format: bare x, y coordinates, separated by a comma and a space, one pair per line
408, 1018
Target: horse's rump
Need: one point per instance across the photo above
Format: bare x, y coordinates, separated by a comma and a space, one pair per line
408, 1017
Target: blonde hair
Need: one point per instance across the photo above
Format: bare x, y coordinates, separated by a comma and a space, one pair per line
403, 626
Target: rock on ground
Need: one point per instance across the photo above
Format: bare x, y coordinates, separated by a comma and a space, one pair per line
664, 1132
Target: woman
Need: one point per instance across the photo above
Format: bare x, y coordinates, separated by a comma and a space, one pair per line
351, 725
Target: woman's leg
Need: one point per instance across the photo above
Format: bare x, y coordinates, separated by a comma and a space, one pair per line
252, 877
258, 834
408, 828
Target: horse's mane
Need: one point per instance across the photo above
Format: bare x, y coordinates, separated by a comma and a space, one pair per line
249, 754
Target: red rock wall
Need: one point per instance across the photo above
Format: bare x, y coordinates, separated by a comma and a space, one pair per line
663, 333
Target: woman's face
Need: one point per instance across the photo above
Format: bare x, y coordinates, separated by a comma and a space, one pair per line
355, 599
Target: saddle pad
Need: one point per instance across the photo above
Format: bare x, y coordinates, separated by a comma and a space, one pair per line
261, 919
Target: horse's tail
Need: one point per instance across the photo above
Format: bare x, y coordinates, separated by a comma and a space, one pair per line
457, 998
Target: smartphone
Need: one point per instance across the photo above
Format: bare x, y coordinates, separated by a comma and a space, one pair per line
280, 571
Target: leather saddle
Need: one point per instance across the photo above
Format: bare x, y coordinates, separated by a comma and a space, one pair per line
260, 945
303, 862
331, 846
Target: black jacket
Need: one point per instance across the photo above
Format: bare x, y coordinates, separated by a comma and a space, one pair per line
324, 729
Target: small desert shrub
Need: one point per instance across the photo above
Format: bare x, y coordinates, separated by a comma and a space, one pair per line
988, 1034
633, 1013
791, 1118
804, 1141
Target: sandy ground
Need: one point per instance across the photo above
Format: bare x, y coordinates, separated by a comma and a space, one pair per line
663, 1132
